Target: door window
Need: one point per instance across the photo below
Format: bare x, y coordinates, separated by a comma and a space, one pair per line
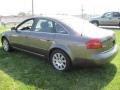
26, 25
60, 29
44, 25
116, 14
49, 26
108, 15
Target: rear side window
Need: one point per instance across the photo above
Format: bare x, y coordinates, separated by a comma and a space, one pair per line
60, 29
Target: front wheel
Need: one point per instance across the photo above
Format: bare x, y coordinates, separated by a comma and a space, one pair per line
95, 23
119, 24
6, 45
60, 60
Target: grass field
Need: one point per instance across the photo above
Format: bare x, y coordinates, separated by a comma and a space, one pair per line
22, 71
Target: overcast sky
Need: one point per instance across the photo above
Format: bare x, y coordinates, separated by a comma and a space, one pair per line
13, 7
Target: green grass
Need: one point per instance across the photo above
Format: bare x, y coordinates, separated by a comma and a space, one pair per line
3, 28
22, 71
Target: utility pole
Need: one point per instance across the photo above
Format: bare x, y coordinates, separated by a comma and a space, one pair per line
32, 8
94, 11
82, 10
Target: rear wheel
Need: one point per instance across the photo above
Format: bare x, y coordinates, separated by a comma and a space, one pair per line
60, 60
6, 45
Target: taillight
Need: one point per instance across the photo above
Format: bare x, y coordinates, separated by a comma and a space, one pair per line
94, 44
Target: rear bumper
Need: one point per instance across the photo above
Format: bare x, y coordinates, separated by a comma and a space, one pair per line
106, 56
98, 59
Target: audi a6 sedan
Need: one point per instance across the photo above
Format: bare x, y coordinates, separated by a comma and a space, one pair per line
64, 40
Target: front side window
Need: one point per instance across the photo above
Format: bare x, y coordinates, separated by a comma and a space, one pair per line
27, 25
107, 15
44, 25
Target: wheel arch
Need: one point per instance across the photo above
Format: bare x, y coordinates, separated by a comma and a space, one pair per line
65, 50
3, 37
93, 21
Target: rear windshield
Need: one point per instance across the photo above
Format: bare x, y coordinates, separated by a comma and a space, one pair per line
77, 24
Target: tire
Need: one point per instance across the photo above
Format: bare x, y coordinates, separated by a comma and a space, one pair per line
60, 60
119, 24
95, 23
6, 45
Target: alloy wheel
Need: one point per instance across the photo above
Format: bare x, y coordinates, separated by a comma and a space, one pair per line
59, 61
5, 45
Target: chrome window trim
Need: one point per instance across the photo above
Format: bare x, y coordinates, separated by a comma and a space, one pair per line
49, 33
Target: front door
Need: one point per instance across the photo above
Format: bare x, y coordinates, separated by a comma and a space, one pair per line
20, 37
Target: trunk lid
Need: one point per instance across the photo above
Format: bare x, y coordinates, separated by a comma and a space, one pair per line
107, 37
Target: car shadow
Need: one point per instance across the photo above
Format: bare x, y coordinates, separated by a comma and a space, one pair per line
35, 71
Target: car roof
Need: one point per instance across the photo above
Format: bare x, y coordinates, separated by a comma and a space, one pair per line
113, 12
57, 17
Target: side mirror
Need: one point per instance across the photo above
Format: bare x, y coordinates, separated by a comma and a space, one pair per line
13, 28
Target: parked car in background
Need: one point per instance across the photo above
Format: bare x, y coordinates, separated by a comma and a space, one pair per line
64, 40
107, 19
